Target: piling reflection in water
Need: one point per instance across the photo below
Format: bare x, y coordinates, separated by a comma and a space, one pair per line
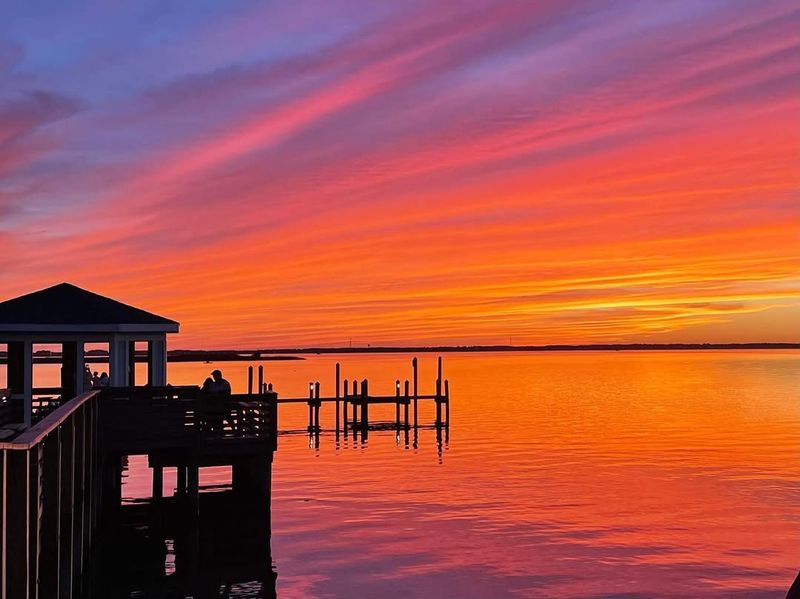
159, 550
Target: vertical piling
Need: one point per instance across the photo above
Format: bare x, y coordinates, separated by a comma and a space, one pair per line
355, 403
310, 407
338, 373
249, 380
438, 402
397, 404
414, 367
364, 407
406, 401
344, 406
447, 402
261, 378
317, 404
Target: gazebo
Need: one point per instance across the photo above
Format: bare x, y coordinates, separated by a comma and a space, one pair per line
72, 317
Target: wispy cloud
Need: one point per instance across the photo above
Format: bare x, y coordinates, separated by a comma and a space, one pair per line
410, 172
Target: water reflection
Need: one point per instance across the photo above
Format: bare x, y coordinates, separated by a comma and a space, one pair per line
162, 552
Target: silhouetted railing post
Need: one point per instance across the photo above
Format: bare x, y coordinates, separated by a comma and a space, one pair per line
261, 378
249, 380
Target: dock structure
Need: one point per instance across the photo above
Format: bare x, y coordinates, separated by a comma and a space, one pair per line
352, 401
62, 458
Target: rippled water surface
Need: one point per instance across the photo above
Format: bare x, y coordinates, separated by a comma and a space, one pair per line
618, 474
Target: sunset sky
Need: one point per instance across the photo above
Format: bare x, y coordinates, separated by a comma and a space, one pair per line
306, 173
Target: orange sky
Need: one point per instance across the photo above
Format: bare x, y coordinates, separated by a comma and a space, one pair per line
412, 174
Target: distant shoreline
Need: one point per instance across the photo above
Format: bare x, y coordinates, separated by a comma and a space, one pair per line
250, 355
180, 355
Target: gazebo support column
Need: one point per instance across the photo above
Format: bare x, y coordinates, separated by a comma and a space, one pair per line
69, 381
131, 363
20, 375
72, 369
157, 362
118, 361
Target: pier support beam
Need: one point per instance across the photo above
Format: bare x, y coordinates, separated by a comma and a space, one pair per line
158, 482
193, 491
181, 480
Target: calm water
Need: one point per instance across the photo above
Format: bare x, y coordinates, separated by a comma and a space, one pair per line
625, 474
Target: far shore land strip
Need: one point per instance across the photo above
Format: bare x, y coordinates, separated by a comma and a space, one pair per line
249, 355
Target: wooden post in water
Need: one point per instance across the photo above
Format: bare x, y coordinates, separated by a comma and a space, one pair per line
249, 380
414, 367
364, 407
397, 404
438, 402
317, 404
344, 406
310, 406
405, 404
338, 373
355, 404
261, 378
447, 402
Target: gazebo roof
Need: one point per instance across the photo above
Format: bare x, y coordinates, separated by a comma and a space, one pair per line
65, 308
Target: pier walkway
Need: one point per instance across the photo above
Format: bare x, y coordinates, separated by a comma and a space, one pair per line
62, 477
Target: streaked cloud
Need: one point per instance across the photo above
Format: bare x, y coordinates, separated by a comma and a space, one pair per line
298, 174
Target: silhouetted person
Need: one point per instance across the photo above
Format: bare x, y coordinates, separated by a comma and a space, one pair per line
219, 386
96, 380
104, 379
206, 388
87, 379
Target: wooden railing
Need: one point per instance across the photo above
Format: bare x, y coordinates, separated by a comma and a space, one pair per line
50, 501
141, 419
52, 481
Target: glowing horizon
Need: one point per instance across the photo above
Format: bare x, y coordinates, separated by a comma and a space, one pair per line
306, 174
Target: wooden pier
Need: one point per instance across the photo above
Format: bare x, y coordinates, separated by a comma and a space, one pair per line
352, 401
62, 478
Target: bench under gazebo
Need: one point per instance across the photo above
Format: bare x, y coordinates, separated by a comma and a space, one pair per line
72, 317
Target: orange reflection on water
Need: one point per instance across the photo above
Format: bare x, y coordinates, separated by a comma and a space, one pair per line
587, 474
